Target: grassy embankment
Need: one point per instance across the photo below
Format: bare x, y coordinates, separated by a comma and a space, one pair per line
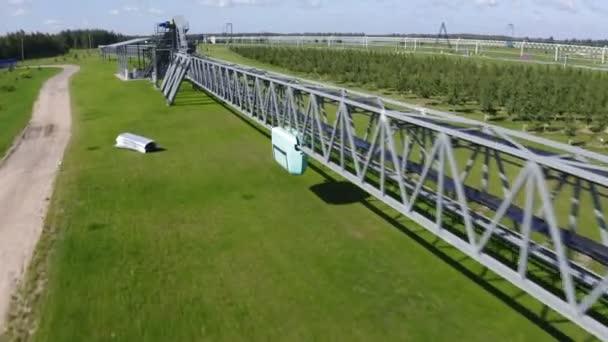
18, 91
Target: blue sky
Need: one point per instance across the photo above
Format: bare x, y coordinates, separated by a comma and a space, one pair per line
534, 18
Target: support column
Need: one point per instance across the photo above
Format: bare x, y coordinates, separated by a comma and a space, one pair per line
155, 68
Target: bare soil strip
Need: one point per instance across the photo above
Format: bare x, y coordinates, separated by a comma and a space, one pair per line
26, 182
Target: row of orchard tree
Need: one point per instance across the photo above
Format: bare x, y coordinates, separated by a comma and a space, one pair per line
530, 92
37, 45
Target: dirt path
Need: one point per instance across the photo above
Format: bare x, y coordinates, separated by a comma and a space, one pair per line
26, 182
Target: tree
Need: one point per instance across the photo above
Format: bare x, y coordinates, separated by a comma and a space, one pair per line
37, 45
455, 94
487, 95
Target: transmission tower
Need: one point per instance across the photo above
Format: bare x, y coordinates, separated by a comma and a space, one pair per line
510, 35
229, 31
443, 35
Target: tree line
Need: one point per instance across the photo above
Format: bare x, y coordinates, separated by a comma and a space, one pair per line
536, 93
38, 45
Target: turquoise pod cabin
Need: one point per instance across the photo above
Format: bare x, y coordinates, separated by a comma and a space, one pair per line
286, 151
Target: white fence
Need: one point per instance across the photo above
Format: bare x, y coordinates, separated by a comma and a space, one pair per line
575, 55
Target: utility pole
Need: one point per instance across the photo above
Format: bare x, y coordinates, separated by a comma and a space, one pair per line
22, 46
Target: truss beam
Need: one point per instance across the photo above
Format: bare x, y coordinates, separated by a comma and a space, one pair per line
509, 217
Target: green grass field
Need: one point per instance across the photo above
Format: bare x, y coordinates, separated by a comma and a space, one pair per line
18, 91
210, 240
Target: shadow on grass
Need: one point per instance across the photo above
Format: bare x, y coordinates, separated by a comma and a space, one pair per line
96, 226
192, 101
156, 149
464, 110
539, 319
339, 193
192, 98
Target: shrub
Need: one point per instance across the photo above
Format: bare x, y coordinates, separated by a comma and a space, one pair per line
25, 74
570, 130
7, 88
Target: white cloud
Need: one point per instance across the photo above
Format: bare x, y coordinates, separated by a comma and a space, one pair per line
19, 12
562, 5
19, 7
130, 9
54, 24
487, 3
134, 10
236, 3
311, 3
232, 3
156, 11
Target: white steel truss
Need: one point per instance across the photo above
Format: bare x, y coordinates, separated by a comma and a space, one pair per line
509, 200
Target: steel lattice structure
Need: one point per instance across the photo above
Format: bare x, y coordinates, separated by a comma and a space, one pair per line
149, 57
509, 200
133, 47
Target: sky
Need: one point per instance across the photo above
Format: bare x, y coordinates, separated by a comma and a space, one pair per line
530, 18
